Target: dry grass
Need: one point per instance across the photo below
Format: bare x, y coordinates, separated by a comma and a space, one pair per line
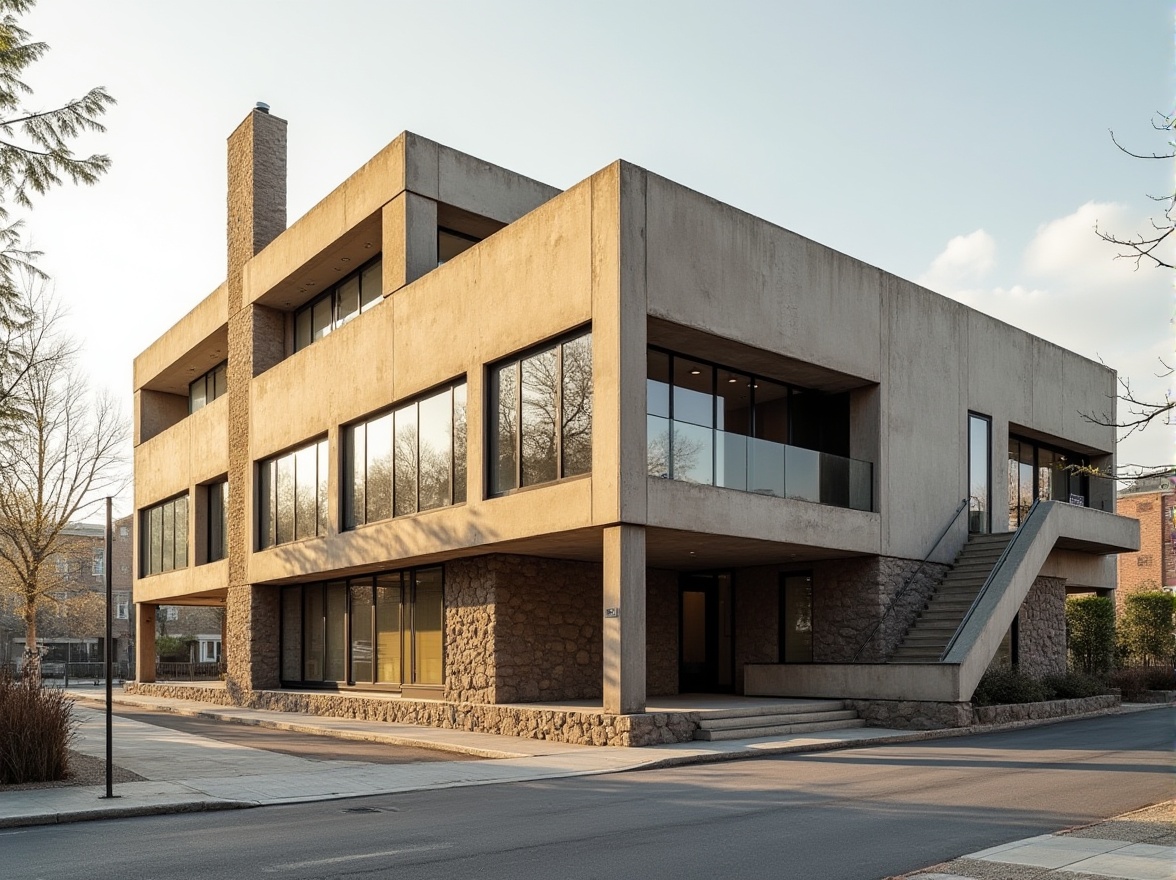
36, 729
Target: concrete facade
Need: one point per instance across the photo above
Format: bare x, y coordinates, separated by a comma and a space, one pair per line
572, 588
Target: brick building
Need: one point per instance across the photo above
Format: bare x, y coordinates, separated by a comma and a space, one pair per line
1152, 501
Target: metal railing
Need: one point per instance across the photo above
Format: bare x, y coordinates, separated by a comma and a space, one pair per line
909, 581
187, 671
988, 580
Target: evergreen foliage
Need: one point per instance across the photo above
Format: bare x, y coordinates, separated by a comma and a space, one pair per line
1090, 634
1146, 631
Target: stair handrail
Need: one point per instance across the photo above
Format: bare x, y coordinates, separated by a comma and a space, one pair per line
910, 580
988, 581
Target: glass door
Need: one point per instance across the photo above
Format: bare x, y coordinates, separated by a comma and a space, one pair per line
706, 658
796, 618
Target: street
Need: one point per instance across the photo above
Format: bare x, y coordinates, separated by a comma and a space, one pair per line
859, 813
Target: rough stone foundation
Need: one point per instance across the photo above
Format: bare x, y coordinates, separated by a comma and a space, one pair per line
927, 715
568, 726
1041, 628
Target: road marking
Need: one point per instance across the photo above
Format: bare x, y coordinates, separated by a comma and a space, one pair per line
292, 866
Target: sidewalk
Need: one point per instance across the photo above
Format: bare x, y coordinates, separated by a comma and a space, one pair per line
188, 773
1135, 846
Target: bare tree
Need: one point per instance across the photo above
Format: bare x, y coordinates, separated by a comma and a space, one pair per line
1145, 246
58, 453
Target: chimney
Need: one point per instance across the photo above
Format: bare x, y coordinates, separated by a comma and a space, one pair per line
257, 185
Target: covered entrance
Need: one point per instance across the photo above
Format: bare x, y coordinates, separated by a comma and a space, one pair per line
706, 648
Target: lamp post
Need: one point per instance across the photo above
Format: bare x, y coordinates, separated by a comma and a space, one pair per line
109, 658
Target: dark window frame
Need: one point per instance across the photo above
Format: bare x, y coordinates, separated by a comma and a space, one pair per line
145, 562
213, 553
332, 293
210, 386
987, 420
321, 522
1080, 459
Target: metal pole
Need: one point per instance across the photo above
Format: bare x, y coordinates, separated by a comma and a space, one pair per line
109, 656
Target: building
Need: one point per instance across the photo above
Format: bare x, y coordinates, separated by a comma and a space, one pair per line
1152, 501
462, 438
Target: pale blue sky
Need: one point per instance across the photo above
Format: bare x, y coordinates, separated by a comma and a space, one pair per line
884, 130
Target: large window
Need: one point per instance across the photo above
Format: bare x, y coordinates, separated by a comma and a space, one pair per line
163, 537
979, 473
723, 427
356, 293
540, 425
384, 629
1045, 473
216, 508
208, 387
292, 495
408, 459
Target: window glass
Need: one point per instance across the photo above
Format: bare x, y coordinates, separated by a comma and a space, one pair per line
540, 390
361, 631
155, 559
657, 385
693, 392
796, 620
220, 380
266, 536
292, 634
427, 616
388, 627
302, 334
218, 502
450, 244
313, 619
371, 285
285, 500
348, 300
169, 537
379, 468
576, 403
978, 458
460, 449
733, 402
306, 492
436, 450
336, 665
324, 467
504, 438
771, 411
405, 461
181, 532
293, 486
197, 395
355, 473
321, 318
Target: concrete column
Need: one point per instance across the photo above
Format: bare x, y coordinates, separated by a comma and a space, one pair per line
145, 642
624, 619
410, 240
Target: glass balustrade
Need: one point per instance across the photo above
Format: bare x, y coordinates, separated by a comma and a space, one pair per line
694, 454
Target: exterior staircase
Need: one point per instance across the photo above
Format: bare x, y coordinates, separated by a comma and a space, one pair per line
802, 716
928, 636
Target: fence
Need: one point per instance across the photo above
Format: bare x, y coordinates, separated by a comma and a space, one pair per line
58, 674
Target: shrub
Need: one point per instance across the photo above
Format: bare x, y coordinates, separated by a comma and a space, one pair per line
1090, 634
36, 729
1073, 686
1134, 680
172, 648
1002, 685
1146, 629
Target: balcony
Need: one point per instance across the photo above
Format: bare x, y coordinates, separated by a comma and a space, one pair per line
695, 454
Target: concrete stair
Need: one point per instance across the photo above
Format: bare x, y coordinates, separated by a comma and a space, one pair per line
928, 636
809, 716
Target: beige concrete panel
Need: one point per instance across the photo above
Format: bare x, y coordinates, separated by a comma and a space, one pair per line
484, 188
420, 165
192, 451
1081, 569
156, 411
711, 510
889, 681
624, 619
715, 267
355, 200
926, 422
195, 581
145, 642
634, 306
410, 240
435, 535
184, 343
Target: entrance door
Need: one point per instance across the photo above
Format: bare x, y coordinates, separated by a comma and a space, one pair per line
706, 660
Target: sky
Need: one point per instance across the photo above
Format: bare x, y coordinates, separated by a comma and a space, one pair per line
964, 146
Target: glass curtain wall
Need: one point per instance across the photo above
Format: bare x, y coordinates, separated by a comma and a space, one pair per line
208, 387
356, 293
292, 495
1040, 472
386, 629
163, 537
540, 416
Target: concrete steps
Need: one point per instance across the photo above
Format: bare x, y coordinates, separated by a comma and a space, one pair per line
928, 636
775, 720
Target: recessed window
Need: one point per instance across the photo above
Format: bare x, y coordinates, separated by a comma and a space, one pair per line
208, 387
540, 416
356, 293
407, 459
450, 243
217, 505
292, 495
163, 536
98, 563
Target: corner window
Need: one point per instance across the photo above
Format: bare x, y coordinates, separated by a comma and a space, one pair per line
208, 387
292, 495
163, 537
540, 416
356, 293
408, 459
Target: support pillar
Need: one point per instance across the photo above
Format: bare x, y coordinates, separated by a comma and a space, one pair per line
624, 619
145, 642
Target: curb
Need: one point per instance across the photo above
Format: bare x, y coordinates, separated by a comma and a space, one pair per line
71, 816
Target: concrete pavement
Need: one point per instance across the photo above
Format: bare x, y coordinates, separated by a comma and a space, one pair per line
186, 772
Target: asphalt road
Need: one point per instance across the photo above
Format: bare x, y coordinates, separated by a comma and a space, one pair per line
861, 813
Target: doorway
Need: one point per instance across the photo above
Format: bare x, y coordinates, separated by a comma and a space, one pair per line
706, 646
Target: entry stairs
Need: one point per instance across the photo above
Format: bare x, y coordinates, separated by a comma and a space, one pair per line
776, 719
928, 636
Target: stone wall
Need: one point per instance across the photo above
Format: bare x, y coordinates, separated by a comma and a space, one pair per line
661, 632
569, 726
1041, 629
470, 625
1038, 711
757, 618
926, 715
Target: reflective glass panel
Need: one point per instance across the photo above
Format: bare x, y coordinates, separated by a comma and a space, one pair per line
733, 398
181, 508
361, 631
504, 414
460, 449
323, 471
312, 632
379, 468
321, 318
540, 399
771, 411
576, 403
302, 334
765, 467
371, 285
292, 634
731, 460
306, 492
802, 474
796, 620
220, 381
692, 453
155, 556
436, 450
405, 461
693, 392
427, 614
354, 476
265, 504
348, 295
657, 385
978, 458
284, 491
336, 669
657, 442
169, 537
197, 395
388, 626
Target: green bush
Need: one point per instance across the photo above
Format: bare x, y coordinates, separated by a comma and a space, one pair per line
1090, 634
1146, 632
1073, 686
172, 648
1002, 685
36, 729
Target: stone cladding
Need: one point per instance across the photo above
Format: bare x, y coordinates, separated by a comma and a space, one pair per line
1041, 628
661, 632
1048, 709
927, 715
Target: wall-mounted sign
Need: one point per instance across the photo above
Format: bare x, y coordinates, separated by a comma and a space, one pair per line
612, 612
1078, 500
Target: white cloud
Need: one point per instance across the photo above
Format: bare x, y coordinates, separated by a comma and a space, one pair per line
1068, 249
966, 258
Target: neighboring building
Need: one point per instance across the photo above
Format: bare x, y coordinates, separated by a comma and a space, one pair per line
1152, 501
463, 437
